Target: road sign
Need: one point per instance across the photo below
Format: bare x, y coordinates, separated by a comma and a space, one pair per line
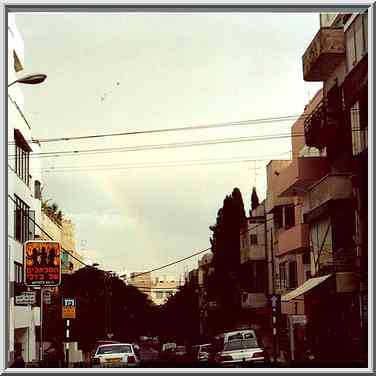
69, 308
28, 297
42, 263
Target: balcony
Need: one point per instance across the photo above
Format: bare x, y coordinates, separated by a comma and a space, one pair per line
293, 239
324, 54
331, 187
301, 174
253, 253
254, 300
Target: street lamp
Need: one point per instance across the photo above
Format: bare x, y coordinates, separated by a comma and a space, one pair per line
31, 79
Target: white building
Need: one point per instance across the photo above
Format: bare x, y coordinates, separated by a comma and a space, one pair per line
24, 201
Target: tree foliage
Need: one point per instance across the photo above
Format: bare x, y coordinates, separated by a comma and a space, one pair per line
254, 199
225, 244
105, 304
179, 317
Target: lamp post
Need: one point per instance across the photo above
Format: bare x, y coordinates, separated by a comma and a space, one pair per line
30, 79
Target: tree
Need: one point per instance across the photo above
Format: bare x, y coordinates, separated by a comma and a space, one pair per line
105, 304
254, 199
179, 317
225, 241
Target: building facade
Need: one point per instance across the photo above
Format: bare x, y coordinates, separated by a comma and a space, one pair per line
334, 203
158, 289
24, 202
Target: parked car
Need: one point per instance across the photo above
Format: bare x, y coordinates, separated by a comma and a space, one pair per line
167, 349
180, 354
240, 347
100, 343
202, 353
115, 355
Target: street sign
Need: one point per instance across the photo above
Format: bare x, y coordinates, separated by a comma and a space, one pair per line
69, 308
28, 297
42, 263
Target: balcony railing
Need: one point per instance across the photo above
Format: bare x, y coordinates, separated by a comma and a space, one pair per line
331, 187
324, 54
295, 238
321, 125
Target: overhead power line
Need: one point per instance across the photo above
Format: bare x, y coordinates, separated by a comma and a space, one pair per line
165, 130
260, 121
199, 162
174, 145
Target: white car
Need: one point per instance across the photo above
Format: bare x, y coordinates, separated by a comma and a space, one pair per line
116, 355
240, 347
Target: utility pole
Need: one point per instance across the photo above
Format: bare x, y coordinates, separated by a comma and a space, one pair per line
41, 326
275, 303
272, 256
67, 343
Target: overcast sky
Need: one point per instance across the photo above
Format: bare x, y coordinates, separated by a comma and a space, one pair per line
111, 73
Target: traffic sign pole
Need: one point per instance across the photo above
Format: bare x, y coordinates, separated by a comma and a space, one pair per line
41, 325
67, 343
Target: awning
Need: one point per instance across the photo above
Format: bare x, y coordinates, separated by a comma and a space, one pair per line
305, 287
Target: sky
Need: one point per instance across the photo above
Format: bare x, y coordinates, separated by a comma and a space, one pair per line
124, 72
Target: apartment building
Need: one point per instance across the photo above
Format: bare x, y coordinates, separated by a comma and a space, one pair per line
24, 205
254, 271
158, 289
333, 195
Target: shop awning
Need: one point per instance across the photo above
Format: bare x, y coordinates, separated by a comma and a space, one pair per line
305, 287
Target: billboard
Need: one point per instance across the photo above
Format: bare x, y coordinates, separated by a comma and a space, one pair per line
42, 263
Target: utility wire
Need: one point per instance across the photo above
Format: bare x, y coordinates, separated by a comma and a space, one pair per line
176, 129
175, 145
158, 164
205, 250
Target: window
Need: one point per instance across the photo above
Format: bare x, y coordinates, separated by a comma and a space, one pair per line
245, 297
18, 272
278, 218
359, 122
159, 294
289, 216
356, 40
293, 275
253, 238
306, 258
37, 190
22, 152
282, 275
24, 226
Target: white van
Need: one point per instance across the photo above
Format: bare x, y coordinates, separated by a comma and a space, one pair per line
238, 347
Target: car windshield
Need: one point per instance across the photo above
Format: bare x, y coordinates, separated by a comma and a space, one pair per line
180, 349
249, 343
206, 348
114, 349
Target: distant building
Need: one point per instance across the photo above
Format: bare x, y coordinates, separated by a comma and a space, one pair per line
158, 289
